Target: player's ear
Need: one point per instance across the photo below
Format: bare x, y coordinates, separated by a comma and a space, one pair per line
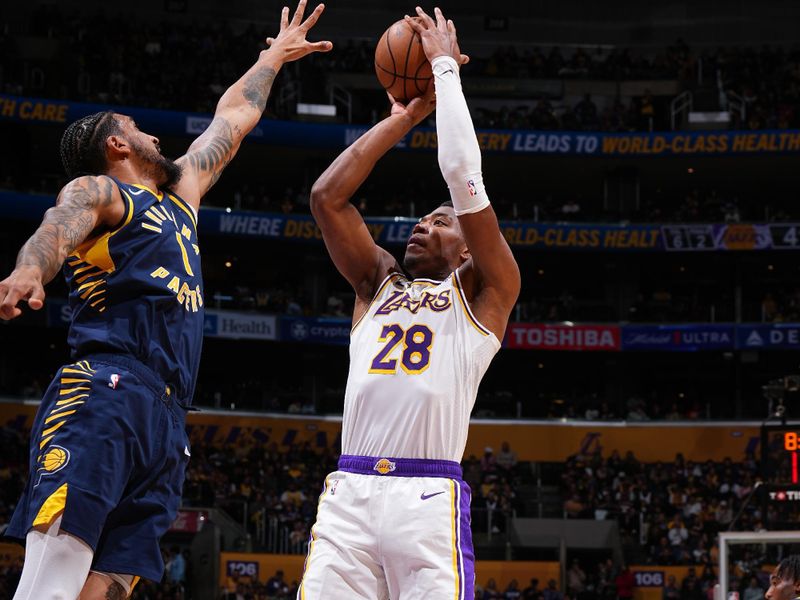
117, 146
464, 255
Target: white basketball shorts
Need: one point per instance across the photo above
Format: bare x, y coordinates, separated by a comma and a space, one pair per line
391, 528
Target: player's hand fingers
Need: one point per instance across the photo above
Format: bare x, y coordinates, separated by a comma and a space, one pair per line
425, 17
36, 297
284, 18
441, 23
312, 18
8, 307
415, 24
298, 14
394, 102
320, 46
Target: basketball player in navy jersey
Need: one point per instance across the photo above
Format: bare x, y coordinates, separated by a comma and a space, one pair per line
108, 446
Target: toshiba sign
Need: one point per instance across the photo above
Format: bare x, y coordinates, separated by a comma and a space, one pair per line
534, 336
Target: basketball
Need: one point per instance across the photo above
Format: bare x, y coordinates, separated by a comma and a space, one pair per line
400, 63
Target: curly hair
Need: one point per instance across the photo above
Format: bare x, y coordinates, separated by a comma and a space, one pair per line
789, 568
83, 144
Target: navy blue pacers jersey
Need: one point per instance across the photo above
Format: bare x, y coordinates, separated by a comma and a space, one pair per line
137, 289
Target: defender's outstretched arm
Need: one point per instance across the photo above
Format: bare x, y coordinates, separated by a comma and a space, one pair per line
241, 106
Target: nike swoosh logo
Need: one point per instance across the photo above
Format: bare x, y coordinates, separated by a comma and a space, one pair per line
186, 451
424, 497
137, 193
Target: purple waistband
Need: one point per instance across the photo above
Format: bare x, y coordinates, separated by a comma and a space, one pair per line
399, 467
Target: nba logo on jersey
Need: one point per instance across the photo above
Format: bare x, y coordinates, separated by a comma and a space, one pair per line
384, 466
113, 381
471, 187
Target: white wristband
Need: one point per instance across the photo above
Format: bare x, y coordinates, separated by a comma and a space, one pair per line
459, 153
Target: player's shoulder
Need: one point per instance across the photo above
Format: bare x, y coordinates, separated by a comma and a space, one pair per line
90, 191
96, 193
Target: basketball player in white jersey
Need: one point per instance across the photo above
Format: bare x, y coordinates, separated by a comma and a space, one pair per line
393, 520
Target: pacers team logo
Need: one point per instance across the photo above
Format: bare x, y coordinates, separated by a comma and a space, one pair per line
55, 459
384, 466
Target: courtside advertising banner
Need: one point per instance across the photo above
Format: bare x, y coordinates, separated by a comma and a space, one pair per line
536, 336
678, 338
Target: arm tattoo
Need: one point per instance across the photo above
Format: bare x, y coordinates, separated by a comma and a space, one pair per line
115, 592
215, 152
66, 225
257, 87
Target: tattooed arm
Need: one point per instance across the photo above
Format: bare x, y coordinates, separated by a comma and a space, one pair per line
241, 106
84, 205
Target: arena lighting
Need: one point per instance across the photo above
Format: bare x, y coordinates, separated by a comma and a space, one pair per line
316, 110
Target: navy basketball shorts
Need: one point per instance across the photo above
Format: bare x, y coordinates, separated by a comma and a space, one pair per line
109, 452
391, 528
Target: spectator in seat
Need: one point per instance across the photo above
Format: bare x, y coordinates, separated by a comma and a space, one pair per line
512, 591
532, 592
671, 591
586, 111
506, 458
490, 592
551, 591
576, 578
488, 461
292, 496
176, 569
275, 584
753, 591
625, 582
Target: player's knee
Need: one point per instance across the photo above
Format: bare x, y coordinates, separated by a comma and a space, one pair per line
102, 586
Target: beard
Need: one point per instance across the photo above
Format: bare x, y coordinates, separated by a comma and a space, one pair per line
165, 171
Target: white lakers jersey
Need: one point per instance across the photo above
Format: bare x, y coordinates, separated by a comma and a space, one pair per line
417, 357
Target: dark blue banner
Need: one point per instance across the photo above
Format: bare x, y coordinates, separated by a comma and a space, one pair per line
384, 230
315, 135
317, 330
775, 336
549, 236
398, 229
678, 338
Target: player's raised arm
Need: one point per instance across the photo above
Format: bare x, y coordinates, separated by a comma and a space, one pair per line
241, 106
83, 205
494, 283
349, 243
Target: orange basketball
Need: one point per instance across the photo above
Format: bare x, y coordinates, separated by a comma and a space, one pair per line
400, 63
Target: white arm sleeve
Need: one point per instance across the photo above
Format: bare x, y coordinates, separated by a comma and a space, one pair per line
459, 153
